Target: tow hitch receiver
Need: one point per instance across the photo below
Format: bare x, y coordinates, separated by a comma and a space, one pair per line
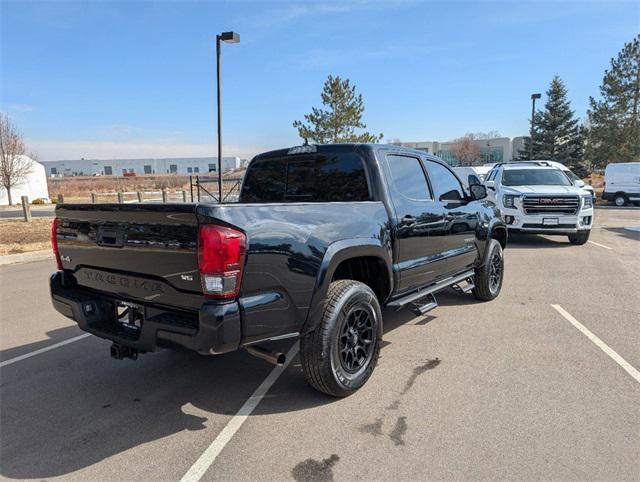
120, 352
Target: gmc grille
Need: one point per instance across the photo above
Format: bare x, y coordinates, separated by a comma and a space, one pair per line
551, 204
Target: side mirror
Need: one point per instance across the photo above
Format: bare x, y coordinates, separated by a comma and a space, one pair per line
490, 185
478, 191
578, 183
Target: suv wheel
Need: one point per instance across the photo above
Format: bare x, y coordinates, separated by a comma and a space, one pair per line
620, 200
339, 356
579, 238
488, 277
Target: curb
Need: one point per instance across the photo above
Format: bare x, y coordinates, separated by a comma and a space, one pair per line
25, 257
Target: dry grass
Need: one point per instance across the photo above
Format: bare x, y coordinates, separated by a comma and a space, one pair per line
16, 236
79, 189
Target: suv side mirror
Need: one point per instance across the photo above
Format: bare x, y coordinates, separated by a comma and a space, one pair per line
490, 185
578, 183
478, 191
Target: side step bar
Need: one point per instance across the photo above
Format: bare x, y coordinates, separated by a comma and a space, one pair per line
411, 298
465, 286
420, 308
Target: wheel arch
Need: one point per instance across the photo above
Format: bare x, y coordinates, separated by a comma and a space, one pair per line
361, 258
497, 231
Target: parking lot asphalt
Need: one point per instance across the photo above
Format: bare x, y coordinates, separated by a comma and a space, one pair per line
509, 389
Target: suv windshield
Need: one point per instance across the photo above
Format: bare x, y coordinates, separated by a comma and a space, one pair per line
571, 175
534, 177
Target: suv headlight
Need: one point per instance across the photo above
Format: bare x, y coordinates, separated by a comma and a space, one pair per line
587, 202
509, 200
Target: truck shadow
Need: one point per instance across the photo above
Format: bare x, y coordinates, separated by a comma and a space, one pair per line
535, 241
75, 407
53, 337
625, 233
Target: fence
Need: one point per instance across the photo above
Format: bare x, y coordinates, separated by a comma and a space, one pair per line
205, 188
201, 189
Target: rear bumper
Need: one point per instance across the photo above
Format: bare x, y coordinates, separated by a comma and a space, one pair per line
214, 328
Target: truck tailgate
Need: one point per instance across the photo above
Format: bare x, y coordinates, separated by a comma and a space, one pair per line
141, 252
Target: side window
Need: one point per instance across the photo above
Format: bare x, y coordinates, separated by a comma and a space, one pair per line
491, 175
408, 177
446, 186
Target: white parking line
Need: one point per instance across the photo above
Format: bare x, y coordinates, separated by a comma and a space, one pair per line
599, 343
208, 457
43, 350
598, 244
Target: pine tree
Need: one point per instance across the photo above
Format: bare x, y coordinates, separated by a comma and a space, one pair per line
614, 121
339, 121
557, 134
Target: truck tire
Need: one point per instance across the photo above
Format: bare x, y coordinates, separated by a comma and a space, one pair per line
339, 356
488, 277
620, 200
579, 238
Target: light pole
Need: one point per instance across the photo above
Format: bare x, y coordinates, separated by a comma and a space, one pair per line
230, 38
533, 113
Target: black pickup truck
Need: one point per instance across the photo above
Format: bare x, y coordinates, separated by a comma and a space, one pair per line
322, 237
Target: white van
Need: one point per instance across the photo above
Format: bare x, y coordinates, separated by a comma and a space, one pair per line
471, 174
622, 183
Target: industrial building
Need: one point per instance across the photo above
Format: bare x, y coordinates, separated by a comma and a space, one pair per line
120, 167
499, 149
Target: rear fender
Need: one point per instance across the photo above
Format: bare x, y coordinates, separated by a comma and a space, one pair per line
336, 253
497, 230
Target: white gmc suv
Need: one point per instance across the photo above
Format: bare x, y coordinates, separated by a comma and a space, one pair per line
536, 197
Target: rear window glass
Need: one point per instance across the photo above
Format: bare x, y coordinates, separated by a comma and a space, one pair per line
316, 178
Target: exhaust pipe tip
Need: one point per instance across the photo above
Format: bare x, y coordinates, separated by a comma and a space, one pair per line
275, 358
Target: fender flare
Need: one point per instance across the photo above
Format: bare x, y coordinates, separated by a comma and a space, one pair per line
496, 224
336, 253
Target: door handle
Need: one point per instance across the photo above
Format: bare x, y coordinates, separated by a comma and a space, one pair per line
408, 219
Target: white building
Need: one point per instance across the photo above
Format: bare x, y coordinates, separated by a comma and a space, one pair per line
34, 186
119, 167
499, 149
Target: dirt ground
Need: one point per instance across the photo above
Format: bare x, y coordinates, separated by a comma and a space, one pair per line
16, 236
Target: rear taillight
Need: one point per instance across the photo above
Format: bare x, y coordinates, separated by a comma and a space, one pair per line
54, 242
221, 254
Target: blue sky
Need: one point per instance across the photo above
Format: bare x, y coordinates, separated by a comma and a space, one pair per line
137, 79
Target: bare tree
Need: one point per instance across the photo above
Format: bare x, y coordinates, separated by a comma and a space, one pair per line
466, 151
15, 166
483, 136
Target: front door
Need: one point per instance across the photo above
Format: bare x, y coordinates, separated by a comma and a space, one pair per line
459, 249
419, 223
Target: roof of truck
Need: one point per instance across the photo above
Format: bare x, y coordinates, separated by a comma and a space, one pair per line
300, 149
